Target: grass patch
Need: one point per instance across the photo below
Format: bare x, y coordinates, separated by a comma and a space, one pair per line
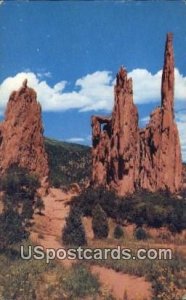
79, 282
34, 279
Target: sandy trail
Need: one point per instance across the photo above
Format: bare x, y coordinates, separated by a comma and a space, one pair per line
118, 283
47, 230
47, 233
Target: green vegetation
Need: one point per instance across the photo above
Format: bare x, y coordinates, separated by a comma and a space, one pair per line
19, 191
68, 162
99, 223
140, 233
118, 232
19, 278
79, 282
73, 233
141, 208
144, 209
34, 279
11, 229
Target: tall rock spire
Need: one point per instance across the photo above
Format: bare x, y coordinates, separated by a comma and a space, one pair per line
116, 141
167, 87
125, 136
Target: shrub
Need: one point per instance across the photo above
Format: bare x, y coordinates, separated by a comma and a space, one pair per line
11, 229
18, 185
140, 234
21, 279
19, 190
99, 222
142, 208
56, 182
79, 282
73, 232
118, 232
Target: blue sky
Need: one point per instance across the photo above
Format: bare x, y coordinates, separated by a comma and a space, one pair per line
71, 51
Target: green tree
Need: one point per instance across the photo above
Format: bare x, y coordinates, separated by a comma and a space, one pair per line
11, 229
140, 234
99, 222
73, 233
19, 189
118, 232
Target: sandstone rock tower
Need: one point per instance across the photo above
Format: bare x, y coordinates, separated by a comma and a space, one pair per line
125, 157
21, 134
161, 163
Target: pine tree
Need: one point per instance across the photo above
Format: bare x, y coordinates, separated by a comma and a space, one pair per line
73, 233
118, 232
99, 223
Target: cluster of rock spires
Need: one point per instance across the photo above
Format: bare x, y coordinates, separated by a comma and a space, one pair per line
125, 157
21, 134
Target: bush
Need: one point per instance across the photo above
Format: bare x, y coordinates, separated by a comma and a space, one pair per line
56, 183
99, 223
140, 234
79, 282
19, 189
142, 208
118, 232
22, 279
88, 199
73, 233
11, 229
18, 185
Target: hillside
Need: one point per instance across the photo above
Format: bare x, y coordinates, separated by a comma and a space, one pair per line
68, 162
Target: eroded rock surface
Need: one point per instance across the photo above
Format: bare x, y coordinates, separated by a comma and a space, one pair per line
125, 157
21, 134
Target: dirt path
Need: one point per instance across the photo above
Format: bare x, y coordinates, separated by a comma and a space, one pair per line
47, 233
48, 227
119, 283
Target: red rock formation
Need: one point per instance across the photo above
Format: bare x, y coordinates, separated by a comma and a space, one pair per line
21, 134
125, 157
101, 149
124, 137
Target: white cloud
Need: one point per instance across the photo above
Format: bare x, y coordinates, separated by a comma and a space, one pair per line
75, 140
95, 92
147, 86
145, 120
44, 75
85, 140
1, 2
181, 122
91, 92
98, 88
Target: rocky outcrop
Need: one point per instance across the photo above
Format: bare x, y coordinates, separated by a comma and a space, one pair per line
125, 157
21, 134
